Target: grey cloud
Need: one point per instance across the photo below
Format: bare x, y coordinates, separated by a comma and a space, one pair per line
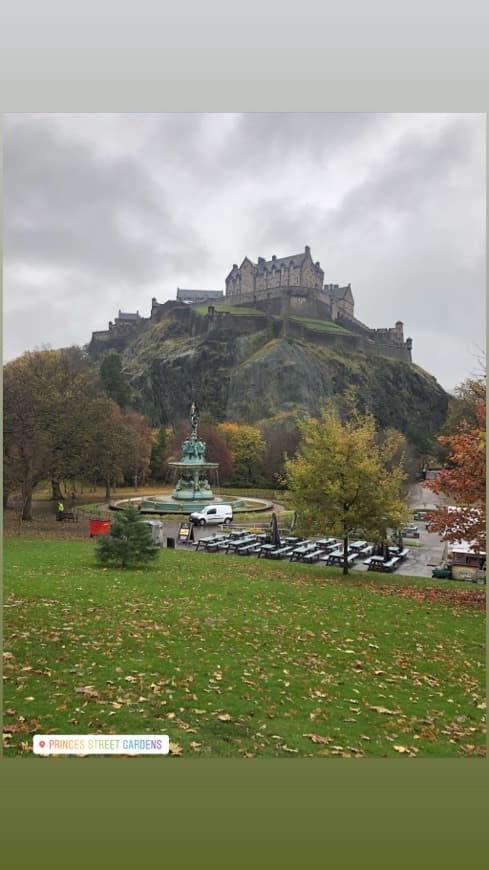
65, 204
260, 139
415, 170
178, 138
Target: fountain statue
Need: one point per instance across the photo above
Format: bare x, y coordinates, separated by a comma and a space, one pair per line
193, 483
192, 488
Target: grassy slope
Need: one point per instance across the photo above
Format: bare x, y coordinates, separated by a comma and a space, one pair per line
310, 322
239, 657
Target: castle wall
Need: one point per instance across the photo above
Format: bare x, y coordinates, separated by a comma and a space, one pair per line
349, 342
246, 279
223, 325
312, 276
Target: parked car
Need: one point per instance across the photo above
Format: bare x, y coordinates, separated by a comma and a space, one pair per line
213, 514
410, 532
442, 572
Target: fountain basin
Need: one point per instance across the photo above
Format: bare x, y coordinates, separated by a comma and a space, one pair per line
168, 505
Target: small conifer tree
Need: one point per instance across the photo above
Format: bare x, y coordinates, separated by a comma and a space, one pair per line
129, 542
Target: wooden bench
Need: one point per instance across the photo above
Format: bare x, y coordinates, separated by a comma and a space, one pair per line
313, 556
247, 550
337, 559
212, 546
402, 554
238, 543
388, 566
280, 553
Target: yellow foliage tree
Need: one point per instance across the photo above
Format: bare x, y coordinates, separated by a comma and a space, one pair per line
248, 449
344, 479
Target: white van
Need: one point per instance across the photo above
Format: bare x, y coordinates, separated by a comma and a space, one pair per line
215, 513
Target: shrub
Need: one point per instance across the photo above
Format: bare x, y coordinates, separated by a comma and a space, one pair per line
129, 542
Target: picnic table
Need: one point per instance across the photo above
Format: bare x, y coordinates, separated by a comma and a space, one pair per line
298, 552
373, 560
240, 542
248, 549
312, 555
69, 517
210, 540
399, 554
378, 563
337, 558
269, 551
329, 548
367, 550
356, 546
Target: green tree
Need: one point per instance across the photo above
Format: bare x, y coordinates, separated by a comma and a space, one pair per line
158, 465
113, 379
247, 447
139, 438
345, 479
129, 542
463, 405
46, 394
109, 449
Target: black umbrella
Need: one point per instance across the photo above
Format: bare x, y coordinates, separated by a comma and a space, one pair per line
275, 537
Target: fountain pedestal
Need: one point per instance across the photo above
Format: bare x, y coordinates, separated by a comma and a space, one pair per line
193, 483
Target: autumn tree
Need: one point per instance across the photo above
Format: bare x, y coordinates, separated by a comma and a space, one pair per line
109, 449
139, 447
247, 447
463, 480
281, 435
345, 479
45, 421
462, 407
217, 450
60, 425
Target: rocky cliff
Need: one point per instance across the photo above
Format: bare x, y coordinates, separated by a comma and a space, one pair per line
250, 367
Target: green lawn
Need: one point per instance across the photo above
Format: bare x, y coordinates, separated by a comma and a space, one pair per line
228, 308
321, 325
235, 656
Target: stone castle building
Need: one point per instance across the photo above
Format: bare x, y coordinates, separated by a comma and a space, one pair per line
285, 287
295, 285
191, 297
296, 280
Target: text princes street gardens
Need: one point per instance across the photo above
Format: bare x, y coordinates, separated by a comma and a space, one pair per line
101, 744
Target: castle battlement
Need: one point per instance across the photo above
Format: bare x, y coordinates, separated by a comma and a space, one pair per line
278, 287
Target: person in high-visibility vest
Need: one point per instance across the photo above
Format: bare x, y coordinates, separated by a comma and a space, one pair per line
61, 508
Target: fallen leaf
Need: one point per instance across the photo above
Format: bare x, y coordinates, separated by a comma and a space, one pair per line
384, 710
318, 738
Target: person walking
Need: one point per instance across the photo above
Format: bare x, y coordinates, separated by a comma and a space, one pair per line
61, 509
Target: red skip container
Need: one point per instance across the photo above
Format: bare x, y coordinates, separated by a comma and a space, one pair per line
99, 527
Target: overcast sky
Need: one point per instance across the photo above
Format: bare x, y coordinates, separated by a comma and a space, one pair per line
104, 211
